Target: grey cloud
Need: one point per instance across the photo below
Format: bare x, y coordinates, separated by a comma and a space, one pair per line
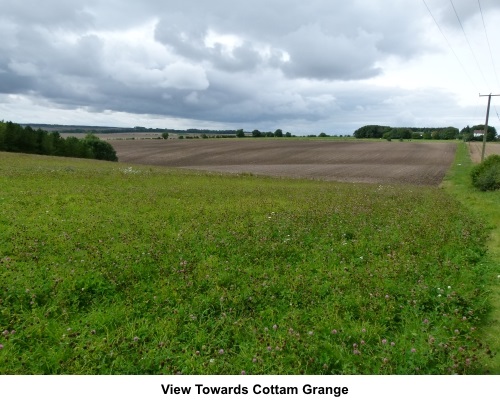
291, 61
317, 54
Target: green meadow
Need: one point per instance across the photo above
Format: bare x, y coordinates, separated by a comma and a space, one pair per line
112, 269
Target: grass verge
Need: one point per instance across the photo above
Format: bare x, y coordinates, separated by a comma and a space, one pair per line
484, 205
111, 269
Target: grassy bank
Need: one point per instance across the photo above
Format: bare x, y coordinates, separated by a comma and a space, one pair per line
485, 206
110, 269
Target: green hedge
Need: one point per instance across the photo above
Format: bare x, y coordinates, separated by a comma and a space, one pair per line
486, 176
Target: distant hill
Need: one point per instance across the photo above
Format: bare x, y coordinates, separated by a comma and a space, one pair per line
79, 129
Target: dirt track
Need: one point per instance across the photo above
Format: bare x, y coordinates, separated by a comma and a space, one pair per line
348, 161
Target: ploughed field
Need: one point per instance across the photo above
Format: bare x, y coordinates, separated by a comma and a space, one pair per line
421, 163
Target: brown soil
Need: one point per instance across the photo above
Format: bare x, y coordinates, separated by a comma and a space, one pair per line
476, 149
348, 161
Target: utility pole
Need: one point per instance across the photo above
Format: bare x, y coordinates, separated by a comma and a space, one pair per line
485, 134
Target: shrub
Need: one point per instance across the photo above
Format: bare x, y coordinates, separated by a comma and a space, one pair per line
486, 176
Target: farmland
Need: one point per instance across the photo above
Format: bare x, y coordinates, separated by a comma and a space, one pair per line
364, 162
118, 268
476, 148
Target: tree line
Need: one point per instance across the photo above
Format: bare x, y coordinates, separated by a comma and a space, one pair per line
447, 133
16, 138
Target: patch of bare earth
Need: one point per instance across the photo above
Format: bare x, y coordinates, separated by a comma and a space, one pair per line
407, 162
476, 150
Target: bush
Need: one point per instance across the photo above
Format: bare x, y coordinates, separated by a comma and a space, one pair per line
486, 176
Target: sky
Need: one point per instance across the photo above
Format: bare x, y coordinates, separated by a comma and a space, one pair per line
305, 67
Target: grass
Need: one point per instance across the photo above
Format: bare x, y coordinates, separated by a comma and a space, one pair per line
483, 205
111, 269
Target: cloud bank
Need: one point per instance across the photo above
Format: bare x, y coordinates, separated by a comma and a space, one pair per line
306, 67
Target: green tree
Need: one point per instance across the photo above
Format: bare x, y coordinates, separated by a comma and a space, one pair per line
240, 133
256, 133
278, 133
371, 131
165, 135
492, 132
2, 135
100, 149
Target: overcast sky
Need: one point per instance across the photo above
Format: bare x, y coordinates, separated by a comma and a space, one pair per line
302, 66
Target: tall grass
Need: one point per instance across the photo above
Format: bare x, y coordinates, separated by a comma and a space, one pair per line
483, 205
110, 269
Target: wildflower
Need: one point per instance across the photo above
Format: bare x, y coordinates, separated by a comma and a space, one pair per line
387, 296
385, 360
1, 346
311, 333
221, 351
275, 326
457, 331
5, 332
334, 331
354, 345
393, 344
362, 342
136, 338
269, 348
426, 321
356, 352
363, 330
243, 372
212, 360
413, 350
384, 341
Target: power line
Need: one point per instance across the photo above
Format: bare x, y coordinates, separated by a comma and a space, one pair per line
491, 53
449, 45
489, 46
468, 43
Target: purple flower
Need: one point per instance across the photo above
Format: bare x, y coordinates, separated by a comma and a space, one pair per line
1, 346
275, 327
243, 372
334, 331
221, 351
413, 350
5, 332
136, 338
384, 341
